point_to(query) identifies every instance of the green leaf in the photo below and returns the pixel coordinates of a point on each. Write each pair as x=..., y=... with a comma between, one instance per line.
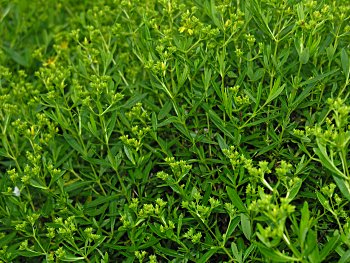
x=258, y=74
x=232, y=226
x=129, y=154
x=301, y=166
x=345, y=62
x=219, y=123
x=276, y=255
x=261, y=17
x=169, y=252
x=262, y=120
x=150, y=243
x=294, y=190
x=183, y=129
x=72, y=258
x=326, y=161
x=73, y=143
x=155, y=229
x=304, y=223
x=2, y=152
x=303, y=95
x=246, y=226
x=329, y=247
x=171, y=119
x=112, y=213
x=330, y=50
x=304, y=56
x=105, y=258
x=267, y=148
x=48, y=206
x=214, y=14
x=237, y=254
x=36, y=184
x=7, y=238
x=221, y=141
x=5, y=12
x=206, y=78
x=92, y=126
x=164, y=111
x=100, y=200
x=345, y=257
x=324, y=202
x=236, y=200
x=133, y=100
x=258, y=96
x=29, y=253
x=116, y=247
x=311, y=250
x=275, y=91
x=179, y=224
x=343, y=186
x=96, y=211
x=207, y=255
x=248, y=251
x=161, y=86
x=111, y=124
x=182, y=73
x=69, y=187
x=20, y=58
x=55, y=177
x=154, y=121
x=340, y=179
x=318, y=78
x=97, y=243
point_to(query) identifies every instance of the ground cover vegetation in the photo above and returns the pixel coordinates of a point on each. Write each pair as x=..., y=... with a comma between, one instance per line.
x=174, y=131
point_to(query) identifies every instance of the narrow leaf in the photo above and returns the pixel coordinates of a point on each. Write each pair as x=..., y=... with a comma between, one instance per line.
x=236, y=200
x=207, y=255
x=7, y=239
x=294, y=190
x=248, y=251
x=164, y=111
x=276, y=255
x=331, y=245
x=100, y=200
x=276, y=90
x=219, y=123
x=318, y=78
x=237, y=254
x=304, y=56
x=246, y=226
x=345, y=257
x=129, y=154
x=73, y=143
x=323, y=201
x=72, y=258
x=222, y=143
x=232, y=226
x=133, y=100
x=340, y=179
x=36, y=184
x=345, y=62
x=326, y=161
x=304, y=223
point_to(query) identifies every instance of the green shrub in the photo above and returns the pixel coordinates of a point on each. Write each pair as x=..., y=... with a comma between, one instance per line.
x=174, y=131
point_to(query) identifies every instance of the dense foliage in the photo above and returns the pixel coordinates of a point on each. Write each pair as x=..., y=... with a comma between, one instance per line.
x=174, y=131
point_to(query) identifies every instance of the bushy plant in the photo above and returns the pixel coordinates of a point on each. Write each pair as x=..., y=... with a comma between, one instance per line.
x=174, y=131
